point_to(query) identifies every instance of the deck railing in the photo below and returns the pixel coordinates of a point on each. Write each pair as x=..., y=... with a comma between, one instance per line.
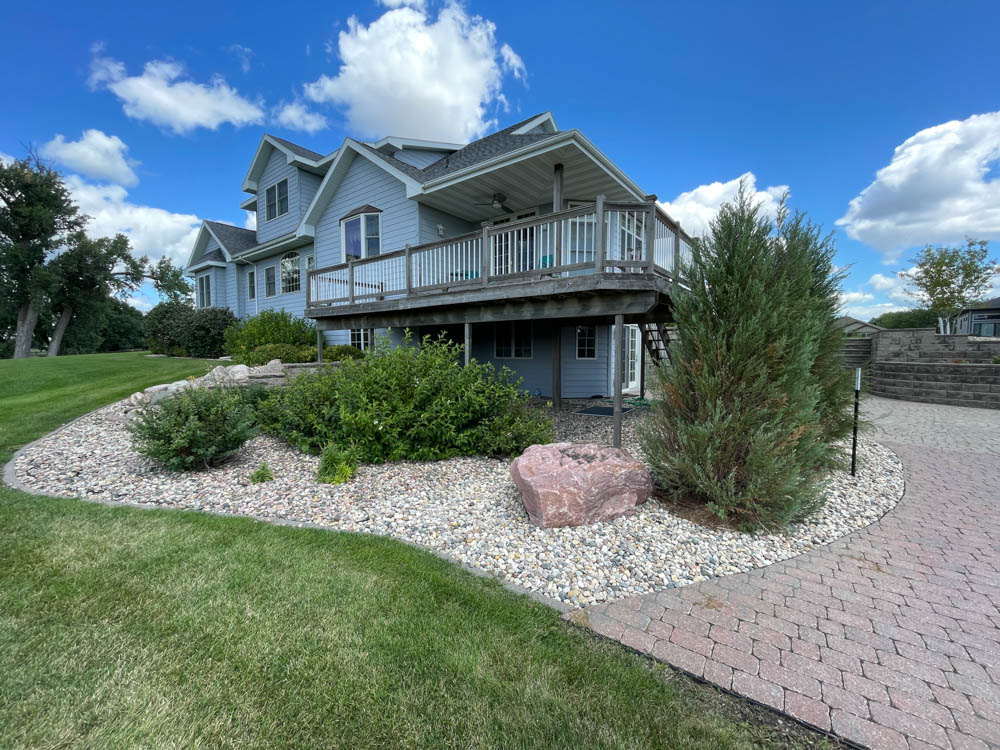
x=628, y=238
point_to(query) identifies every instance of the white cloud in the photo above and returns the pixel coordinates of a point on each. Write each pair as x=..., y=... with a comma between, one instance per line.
x=250, y=222
x=6, y=158
x=893, y=287
x=405, y=74
x=96, y=154
x=418, y=4
x=696, y=208
x=867, y=312
x=140, y=303
x=159, y=95
x=297, y=116
x=152, y=231
x=853, y=298
x=936, y=190
x=243, y=54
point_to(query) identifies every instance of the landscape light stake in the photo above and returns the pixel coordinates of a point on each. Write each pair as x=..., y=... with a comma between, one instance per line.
x=857, y=402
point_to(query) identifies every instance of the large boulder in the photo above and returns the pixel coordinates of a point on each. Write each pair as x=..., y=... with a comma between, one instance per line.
x=572, y=484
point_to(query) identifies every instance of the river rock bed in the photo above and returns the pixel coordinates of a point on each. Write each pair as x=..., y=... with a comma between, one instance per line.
x=467, y=508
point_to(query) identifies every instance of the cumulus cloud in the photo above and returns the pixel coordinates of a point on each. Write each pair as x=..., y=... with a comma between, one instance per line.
x=696, y=208
x=418, y=4
x=853, y=298
x=96, y=155
x=297, y=116
x=6, y=158
x=937, y=189
x=152, y=231
x=408, y=74
x=162, y=94
x=250, y=222
x=142, y=304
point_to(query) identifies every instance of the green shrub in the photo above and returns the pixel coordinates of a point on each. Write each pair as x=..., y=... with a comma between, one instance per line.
x=262, y=474
x=179, y=351
x=336, y=465
x=269, y=327
x=996, y=360
x=340, y=352
x=205, y=331
x=194, y=429
x=285, y=352
x=164, y=326
x=7, y=348
x=406, y=403
x=743, y=420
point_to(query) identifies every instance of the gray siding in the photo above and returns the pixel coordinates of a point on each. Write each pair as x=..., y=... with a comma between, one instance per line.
x=364, y=183
x=453, y=226
x=308, y=185
x=276, y=170
x=580, y=378
x=418, y=157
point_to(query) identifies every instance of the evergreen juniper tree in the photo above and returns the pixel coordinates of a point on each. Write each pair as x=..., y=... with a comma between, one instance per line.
x=742, y=420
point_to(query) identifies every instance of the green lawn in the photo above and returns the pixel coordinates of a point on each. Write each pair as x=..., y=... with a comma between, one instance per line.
x=124, y=628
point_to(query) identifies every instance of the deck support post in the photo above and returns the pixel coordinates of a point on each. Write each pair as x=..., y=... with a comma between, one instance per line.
x=619, y=367
x=468, y=343
x=643, y=339
x=319, y=346
x=371, y=339
x=557, y=367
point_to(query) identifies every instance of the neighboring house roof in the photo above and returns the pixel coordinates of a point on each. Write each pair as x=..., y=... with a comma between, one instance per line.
x=848, y=323
x=988, y=304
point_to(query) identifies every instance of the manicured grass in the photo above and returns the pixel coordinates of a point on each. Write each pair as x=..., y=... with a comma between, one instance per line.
x=130, y=628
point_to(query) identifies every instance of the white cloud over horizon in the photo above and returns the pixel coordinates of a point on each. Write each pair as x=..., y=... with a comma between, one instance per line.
x=297, y=116
x=936, y=190
x=408, y=74
x=152, y=231
x=96, y=155
x=162, y=95
x=696, y=208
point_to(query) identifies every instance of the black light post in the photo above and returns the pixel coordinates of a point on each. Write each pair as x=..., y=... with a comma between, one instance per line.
x=857, y=403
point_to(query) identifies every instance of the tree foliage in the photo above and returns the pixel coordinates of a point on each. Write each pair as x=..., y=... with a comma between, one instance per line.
x=746, y=417
x=918, y=317
x=948, y=279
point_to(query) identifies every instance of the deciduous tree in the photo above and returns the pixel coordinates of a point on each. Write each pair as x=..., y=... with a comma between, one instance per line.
x=947, y=279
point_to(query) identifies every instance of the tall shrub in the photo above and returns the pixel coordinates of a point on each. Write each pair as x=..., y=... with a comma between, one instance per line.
x=204, y=334
x=406, y=402
x=164, y=326
x=739, y=421
x=268, y=327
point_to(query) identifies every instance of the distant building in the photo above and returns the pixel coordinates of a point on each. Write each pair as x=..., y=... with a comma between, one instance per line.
x=982, y=319
x=857, y=329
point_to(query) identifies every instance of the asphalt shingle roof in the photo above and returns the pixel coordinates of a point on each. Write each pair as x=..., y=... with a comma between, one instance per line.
x=234, y=239
x=300, y=150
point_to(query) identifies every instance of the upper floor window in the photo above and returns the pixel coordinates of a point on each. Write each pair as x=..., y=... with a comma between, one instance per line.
x=205, y=291
x=276, y=200
x=361, y=232
x=251, y=285
x=291, y=277
x=512, y=340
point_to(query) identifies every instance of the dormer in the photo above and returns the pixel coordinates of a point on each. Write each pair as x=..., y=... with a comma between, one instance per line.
x=282, y=180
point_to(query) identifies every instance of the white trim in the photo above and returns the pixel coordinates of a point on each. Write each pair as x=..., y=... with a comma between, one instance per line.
x=261, y=155
x=197, y=243
x=249, y=204
x=416, y=144
x=202, y=266
x=364, y=237
x=535, y=122
x=281, y=270
x=277, y=281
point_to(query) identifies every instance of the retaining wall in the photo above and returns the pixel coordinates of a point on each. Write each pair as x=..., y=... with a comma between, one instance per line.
x=975, y=385
x=924, y=345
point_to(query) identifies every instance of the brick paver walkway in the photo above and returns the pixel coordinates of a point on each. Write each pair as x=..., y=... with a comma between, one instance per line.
x=889, y=637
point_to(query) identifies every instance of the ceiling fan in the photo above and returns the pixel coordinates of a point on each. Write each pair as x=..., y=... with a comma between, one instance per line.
x=499, y=202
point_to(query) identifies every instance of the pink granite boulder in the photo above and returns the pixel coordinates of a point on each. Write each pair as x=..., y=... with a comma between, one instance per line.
x=572, y=484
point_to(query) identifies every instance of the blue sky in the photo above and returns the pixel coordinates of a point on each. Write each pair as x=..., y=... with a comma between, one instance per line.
x=884, y=117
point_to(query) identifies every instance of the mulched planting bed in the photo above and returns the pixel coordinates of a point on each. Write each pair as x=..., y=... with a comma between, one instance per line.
x=467, y=508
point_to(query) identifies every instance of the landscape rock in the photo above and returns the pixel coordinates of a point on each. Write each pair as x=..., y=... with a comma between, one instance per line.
x=572, y=484
x=238, y=373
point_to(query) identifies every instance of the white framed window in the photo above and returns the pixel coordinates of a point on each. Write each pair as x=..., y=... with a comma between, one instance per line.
x=310, y=263
x=361, y=339
x=291, y=273
x=361, y=235
x=251, y=284
x=271, y=281
x=512, y=340
x=276, y=200
x=205, y=291
x=586, y=342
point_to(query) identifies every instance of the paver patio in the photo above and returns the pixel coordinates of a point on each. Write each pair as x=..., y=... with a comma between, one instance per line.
x=889, y=637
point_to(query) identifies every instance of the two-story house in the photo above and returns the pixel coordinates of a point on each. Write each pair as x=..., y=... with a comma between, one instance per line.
x=529, y=245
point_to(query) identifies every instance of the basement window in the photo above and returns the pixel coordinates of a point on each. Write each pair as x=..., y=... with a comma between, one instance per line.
x=512, y=340
x=586, y=342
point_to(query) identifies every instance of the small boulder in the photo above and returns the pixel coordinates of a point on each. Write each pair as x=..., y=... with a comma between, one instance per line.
x=572, y=484
x=238, y=373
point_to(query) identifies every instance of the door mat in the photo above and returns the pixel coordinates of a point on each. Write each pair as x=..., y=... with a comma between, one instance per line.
x=602, y=411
